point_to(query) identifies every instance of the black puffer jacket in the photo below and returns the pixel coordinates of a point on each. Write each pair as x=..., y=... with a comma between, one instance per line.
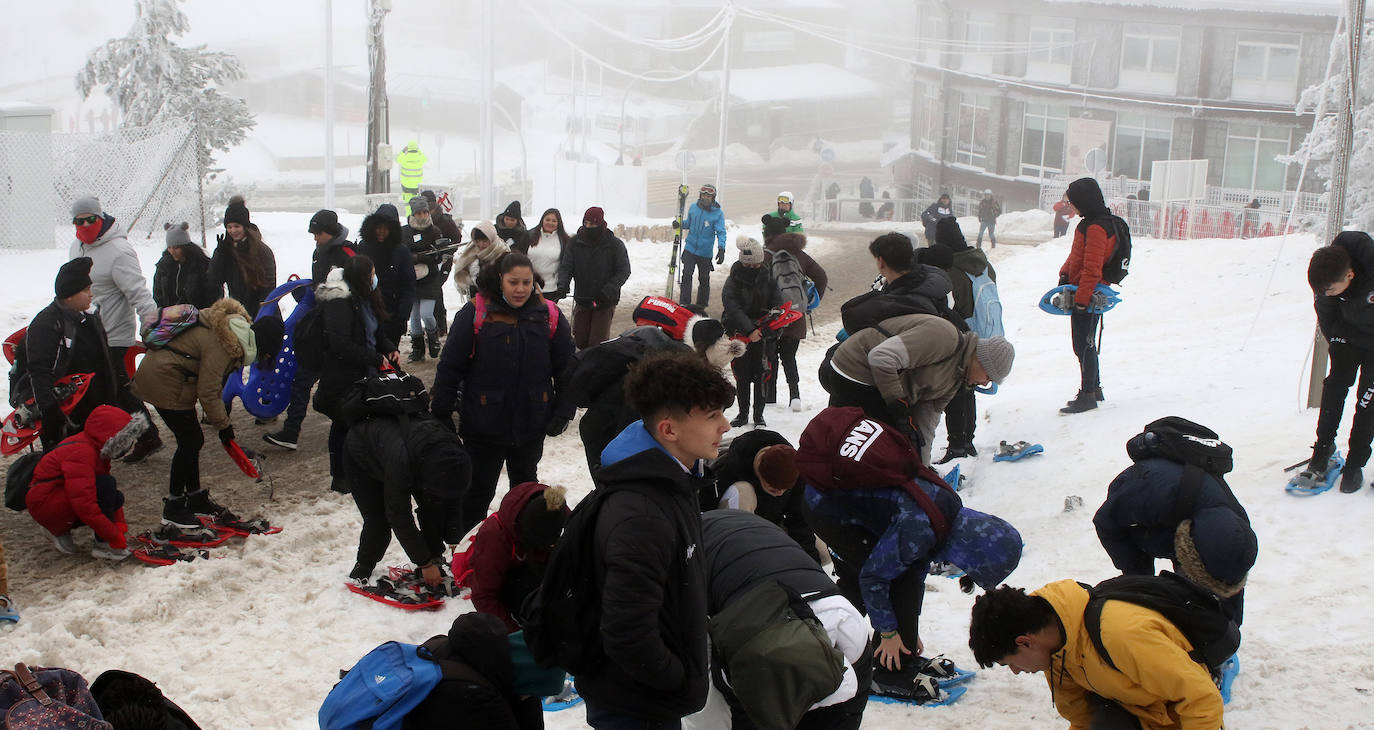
x=476, y=692
x=748, y=294
x=58, y=343
x=1349, y=316
x=421, y=243
x=742, y=549
x=737, y=465
x=347, y=356
x=596, y=265
x=395, y=268
x=186, y=281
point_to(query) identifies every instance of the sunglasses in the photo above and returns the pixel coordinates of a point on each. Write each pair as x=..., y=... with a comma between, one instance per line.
x=85, y=220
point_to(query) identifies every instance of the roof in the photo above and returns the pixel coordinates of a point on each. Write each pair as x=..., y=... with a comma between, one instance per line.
x=800, y=82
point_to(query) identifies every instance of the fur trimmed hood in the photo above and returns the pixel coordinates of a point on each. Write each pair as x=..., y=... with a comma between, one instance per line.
x=217, y=317
x=707, y=337
x=334, y=287
x=1215, y=549
x=122, y=441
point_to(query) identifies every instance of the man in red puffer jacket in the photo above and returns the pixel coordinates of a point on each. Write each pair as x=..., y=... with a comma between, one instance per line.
x=72, y=485
x=1093, y=244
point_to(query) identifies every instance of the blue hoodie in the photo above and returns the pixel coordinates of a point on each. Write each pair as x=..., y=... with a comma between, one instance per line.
x=701, y=225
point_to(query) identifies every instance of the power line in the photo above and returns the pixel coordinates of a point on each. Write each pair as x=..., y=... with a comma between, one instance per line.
x=691, y=41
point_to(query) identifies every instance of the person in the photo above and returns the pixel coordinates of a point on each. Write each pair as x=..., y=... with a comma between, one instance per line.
x=1093, y=245
x=453, y=231
x=412, y=162
x=1342, y=279
x=545, y=246
x=965, y=262
x=510, y=226
x=332, y=251
x=792, y=335
x=242, y=263
x=886, y=211
x=988, y=210
x=907, y=370
x=758, y=474
x=594, y=269
x=742, y=551
x=72, y=485
x=832, y=191
x=390, y=463
x=63, y=339
x=705, y=230
x=504, y=375
x=421, y=236
x=749, y=294
x=121, y=294
x=191, y=370
x=1249, y=226
x=479, y=689
x=905, y=286
x=485, y=249
x=1063, y=212
x=646, y=547
x=785, y=212
x=941, y=208
x=9, y=611
x=380, y=240
x=876, y=511
x=511, y=549
x=182, y=274
x=355, y=345
x=1156, y=685
x=866, y=197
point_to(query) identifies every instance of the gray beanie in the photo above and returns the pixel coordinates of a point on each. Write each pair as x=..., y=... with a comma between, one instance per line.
x=995, y=354
x=750, y=250
x=419, y=204
x=85, y=205
x=177, y=235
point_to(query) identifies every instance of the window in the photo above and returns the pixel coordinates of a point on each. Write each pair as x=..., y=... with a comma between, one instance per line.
x=975, y=116
x=1042, y=140
x=1266, y=67
x=933, y=36
x=1050, y=57
x=1250, y=153
x=1149, y=58
x=932, y=120
x=1140, y=140
x=980, y=42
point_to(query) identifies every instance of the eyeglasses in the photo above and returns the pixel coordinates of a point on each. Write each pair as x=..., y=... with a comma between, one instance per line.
x=85, y=220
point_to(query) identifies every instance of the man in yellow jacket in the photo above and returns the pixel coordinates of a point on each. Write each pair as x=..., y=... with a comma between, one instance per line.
x=1157, y=686
x=412, y=162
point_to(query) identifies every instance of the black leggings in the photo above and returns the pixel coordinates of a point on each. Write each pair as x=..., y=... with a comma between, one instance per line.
x=1083, y=328
x=786, y=354
x=522, y=465
x=185, y=428
x=961, y=418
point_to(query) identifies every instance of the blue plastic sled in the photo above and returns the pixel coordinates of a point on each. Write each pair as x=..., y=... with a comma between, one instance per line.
x=1111, y=296
x=952, y=695
x=1017, y=455
x=1298, y=486
x=1229, y=669
x=267, y=393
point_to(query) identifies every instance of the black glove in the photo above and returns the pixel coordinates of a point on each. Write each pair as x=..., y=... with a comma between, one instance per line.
x=226, y=435
x=219, y=240
x=557, y=425
x=1063, y=279
x=899, y=415
x=676, y=224
x=720, y=256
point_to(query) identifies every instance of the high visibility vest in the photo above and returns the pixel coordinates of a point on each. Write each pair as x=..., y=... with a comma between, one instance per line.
x=412, y=164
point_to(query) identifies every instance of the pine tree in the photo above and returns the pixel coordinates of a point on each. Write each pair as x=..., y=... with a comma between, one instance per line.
x=152, y=78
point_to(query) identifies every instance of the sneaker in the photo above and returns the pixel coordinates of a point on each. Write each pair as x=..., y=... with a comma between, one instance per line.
x=64, y=543
x=9, y=613
x=200, y=504
x=796, y=405
x=143, y=449
x=740, y=420
x=106, y=552
x=1080, y=404
x=758, y=420
x=176, y=513
x=281, y=438
x=1352, y=478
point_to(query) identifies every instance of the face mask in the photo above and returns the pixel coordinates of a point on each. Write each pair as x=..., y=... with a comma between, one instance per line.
x=88, y=232
x=374, y=282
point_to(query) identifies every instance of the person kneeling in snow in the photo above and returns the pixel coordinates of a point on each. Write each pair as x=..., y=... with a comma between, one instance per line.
x=481, y=685
x=512, y=547
x=72, y=485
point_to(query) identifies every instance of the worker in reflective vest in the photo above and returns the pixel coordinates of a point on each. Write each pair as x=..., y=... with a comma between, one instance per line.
x=412, y=162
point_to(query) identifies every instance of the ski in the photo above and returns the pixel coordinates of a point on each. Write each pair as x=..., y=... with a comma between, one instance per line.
x=682, y=191
x=1017, y=451
x=1308, y=483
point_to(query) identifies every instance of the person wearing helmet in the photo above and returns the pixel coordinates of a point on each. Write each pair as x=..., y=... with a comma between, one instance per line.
x=412, y=163
x=786, y=213
x=704, y=230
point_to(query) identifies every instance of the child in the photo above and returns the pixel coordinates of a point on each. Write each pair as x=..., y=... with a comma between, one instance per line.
x=511, y=549
x=749, y=294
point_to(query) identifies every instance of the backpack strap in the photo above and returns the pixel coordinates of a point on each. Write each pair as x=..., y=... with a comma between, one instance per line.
x=1092, y=621
x=553, y=318
x=31, y=685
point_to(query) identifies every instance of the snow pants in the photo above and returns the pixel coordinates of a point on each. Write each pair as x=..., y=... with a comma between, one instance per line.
x=702, y=267
x=185, y=428
x=1083, y=328
x=1346, y=362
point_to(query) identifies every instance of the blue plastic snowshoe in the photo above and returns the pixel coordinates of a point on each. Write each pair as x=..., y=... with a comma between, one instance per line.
x=1229, y=669
x=954, y=479
x=1059, y=300
x=565, y=699
x=267, y=392
x=1308, y=483
x=1017, y=451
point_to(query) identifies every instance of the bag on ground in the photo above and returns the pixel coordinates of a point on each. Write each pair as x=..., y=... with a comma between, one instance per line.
x=48, y=699
x=381, y=689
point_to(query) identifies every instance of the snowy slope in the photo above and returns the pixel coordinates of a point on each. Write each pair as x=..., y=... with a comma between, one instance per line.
x=255, y=640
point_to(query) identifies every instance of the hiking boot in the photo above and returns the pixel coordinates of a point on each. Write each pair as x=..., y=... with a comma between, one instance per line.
x=417, y=349
x=176, y=513
x=283, y=438
x=1080, y=404
x=1321, y=457
x=145, y=447
x=432, y=338
x=1079, y=394
x=758, y=420
x=361, y=573
x=957, y=451
x=200, y=504
x=1352, y=478
x=739, y=420
x=64, y=543
x=104, y=551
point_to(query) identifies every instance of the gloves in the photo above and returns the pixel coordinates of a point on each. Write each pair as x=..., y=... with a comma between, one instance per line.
x=557, y=425
x=676, y=224
x=1063, y=279
x=720, y=256
x=219, y=240
x=899, y=415
x=226, y=435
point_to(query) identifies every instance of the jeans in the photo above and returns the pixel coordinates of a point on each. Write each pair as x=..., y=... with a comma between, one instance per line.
x=422, y=318
x=991, y=228
x=1346, y=362
x=702, y=266
x=185, y=428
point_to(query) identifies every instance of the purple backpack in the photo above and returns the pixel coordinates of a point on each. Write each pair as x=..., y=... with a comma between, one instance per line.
x=48, y=699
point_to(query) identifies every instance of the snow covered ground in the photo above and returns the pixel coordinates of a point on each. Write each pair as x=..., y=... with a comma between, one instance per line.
x=1217, y=331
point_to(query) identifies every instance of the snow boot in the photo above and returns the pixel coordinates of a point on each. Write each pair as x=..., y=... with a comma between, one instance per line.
x=1084, y=402
x=176, y=513
x=104, y=551
x=1079, y=394
x=1352, y=478
x=957, y=451
x=64, y=543
x=200, y=504
x=1321, y=456
x=432, y=337
x=417, y=349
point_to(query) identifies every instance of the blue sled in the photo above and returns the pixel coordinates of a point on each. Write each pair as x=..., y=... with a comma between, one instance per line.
x=1104, y=299
x=1018, y=454
x=267, y=393
x=1308, y=485
x=950, y=696
x=1229, y=669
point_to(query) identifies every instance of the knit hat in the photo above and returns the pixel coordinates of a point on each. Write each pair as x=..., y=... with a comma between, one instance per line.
x=513, y=210
x=1216, y=549
x=995, y=354
x=985, y=547
x=595, y=216
x=948, y=233
x=419, y=204
x=750, y=250
x=85, y=205
x=73, y=277
x=325, y=221
x=237, y=212
x=541, y=520
x=177, y=235
x=776, y=466
x=268, y=332
x=429, y=196
x=705, y=332
x=937, y=255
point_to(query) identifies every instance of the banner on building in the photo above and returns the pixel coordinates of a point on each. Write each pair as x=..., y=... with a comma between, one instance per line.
x=1087, y=142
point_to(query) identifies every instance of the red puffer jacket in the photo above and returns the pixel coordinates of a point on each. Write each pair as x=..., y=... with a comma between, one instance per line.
x=62, y=494
x=496, y=550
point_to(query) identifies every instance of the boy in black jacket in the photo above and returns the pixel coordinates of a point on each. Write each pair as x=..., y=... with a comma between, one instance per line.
x=646, y=544
x=749, y=294
x=757, y=475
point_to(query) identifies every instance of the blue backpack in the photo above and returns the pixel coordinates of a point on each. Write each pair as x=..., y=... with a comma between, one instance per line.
x=987, y=307
x=381, y=689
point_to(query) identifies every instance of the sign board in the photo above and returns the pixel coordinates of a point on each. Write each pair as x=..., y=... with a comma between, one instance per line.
x=1082, y=138
x=1178, y=180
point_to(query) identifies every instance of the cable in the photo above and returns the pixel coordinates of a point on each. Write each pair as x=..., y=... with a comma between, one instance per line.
x=691, y=41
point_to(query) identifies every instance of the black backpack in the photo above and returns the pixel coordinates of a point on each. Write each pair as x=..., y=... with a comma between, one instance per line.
x=1115, y=268
x=390, y=393
x=1195, y=446
x=1193, y=610
x=20, y=477
x=307, y=339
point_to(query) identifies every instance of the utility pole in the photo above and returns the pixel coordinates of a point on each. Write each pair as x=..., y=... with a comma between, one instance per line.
x=378, y=174
x=725, y=97
x=329, y=104
x=484, y=108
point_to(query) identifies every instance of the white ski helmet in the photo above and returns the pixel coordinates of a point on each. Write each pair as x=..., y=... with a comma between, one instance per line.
x=784, y=197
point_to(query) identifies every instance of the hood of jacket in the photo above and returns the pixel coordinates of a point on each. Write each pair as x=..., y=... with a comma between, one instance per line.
x=793, y=243
x=1086, y=196
x=511, y=505
x=987, y=548
x=971, y=261
x=367, y=234
x=229, y=321
x=338, y=240
x=334, y=287
x=112, y=431
x=479, y=641
x=950, y=235
x=927, y=281
x=634, y=439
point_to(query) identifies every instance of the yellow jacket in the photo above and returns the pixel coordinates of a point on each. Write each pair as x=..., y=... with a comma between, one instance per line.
x=412, y=162
x=1155, y=680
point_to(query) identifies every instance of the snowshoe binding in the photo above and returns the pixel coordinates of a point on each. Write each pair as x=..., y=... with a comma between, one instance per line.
x=160, y=555
x=1017, y=451
x=924, y=690
x=944, y=671
x=197, y=537
x=231, y=526
x=1314, y=480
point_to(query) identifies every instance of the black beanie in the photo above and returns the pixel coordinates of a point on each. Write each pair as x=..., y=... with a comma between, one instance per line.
x=73, y=277
x=541, y=520
x=513, y=210
x=937, y=255
x=774, y=225
x=325, y=221
x=268, y=333
x=237, y=212
x=949, y=234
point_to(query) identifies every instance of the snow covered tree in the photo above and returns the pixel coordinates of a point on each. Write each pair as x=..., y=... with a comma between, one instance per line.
x=152, y=78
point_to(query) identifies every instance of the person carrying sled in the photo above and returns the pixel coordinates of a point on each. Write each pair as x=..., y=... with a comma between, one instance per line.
x=421, y=236
x=380, y=239
x=594, y=269
x=749, y=294
x=886, y=517
x=791, y=267
x=785, y=213
x=1094, y=240
x=392, y=463
x=511, y=549
x=758, y=474
x=705, y=230
x=941, y=208
x=1342, y=279
x=72, y=485
x=965, y=262
x=182, y=275
x=1155, y=684
x=480, y=688
x=242, y=263
x=191, y=370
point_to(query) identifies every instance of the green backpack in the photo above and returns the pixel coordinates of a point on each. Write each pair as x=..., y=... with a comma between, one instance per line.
x=775, y=650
